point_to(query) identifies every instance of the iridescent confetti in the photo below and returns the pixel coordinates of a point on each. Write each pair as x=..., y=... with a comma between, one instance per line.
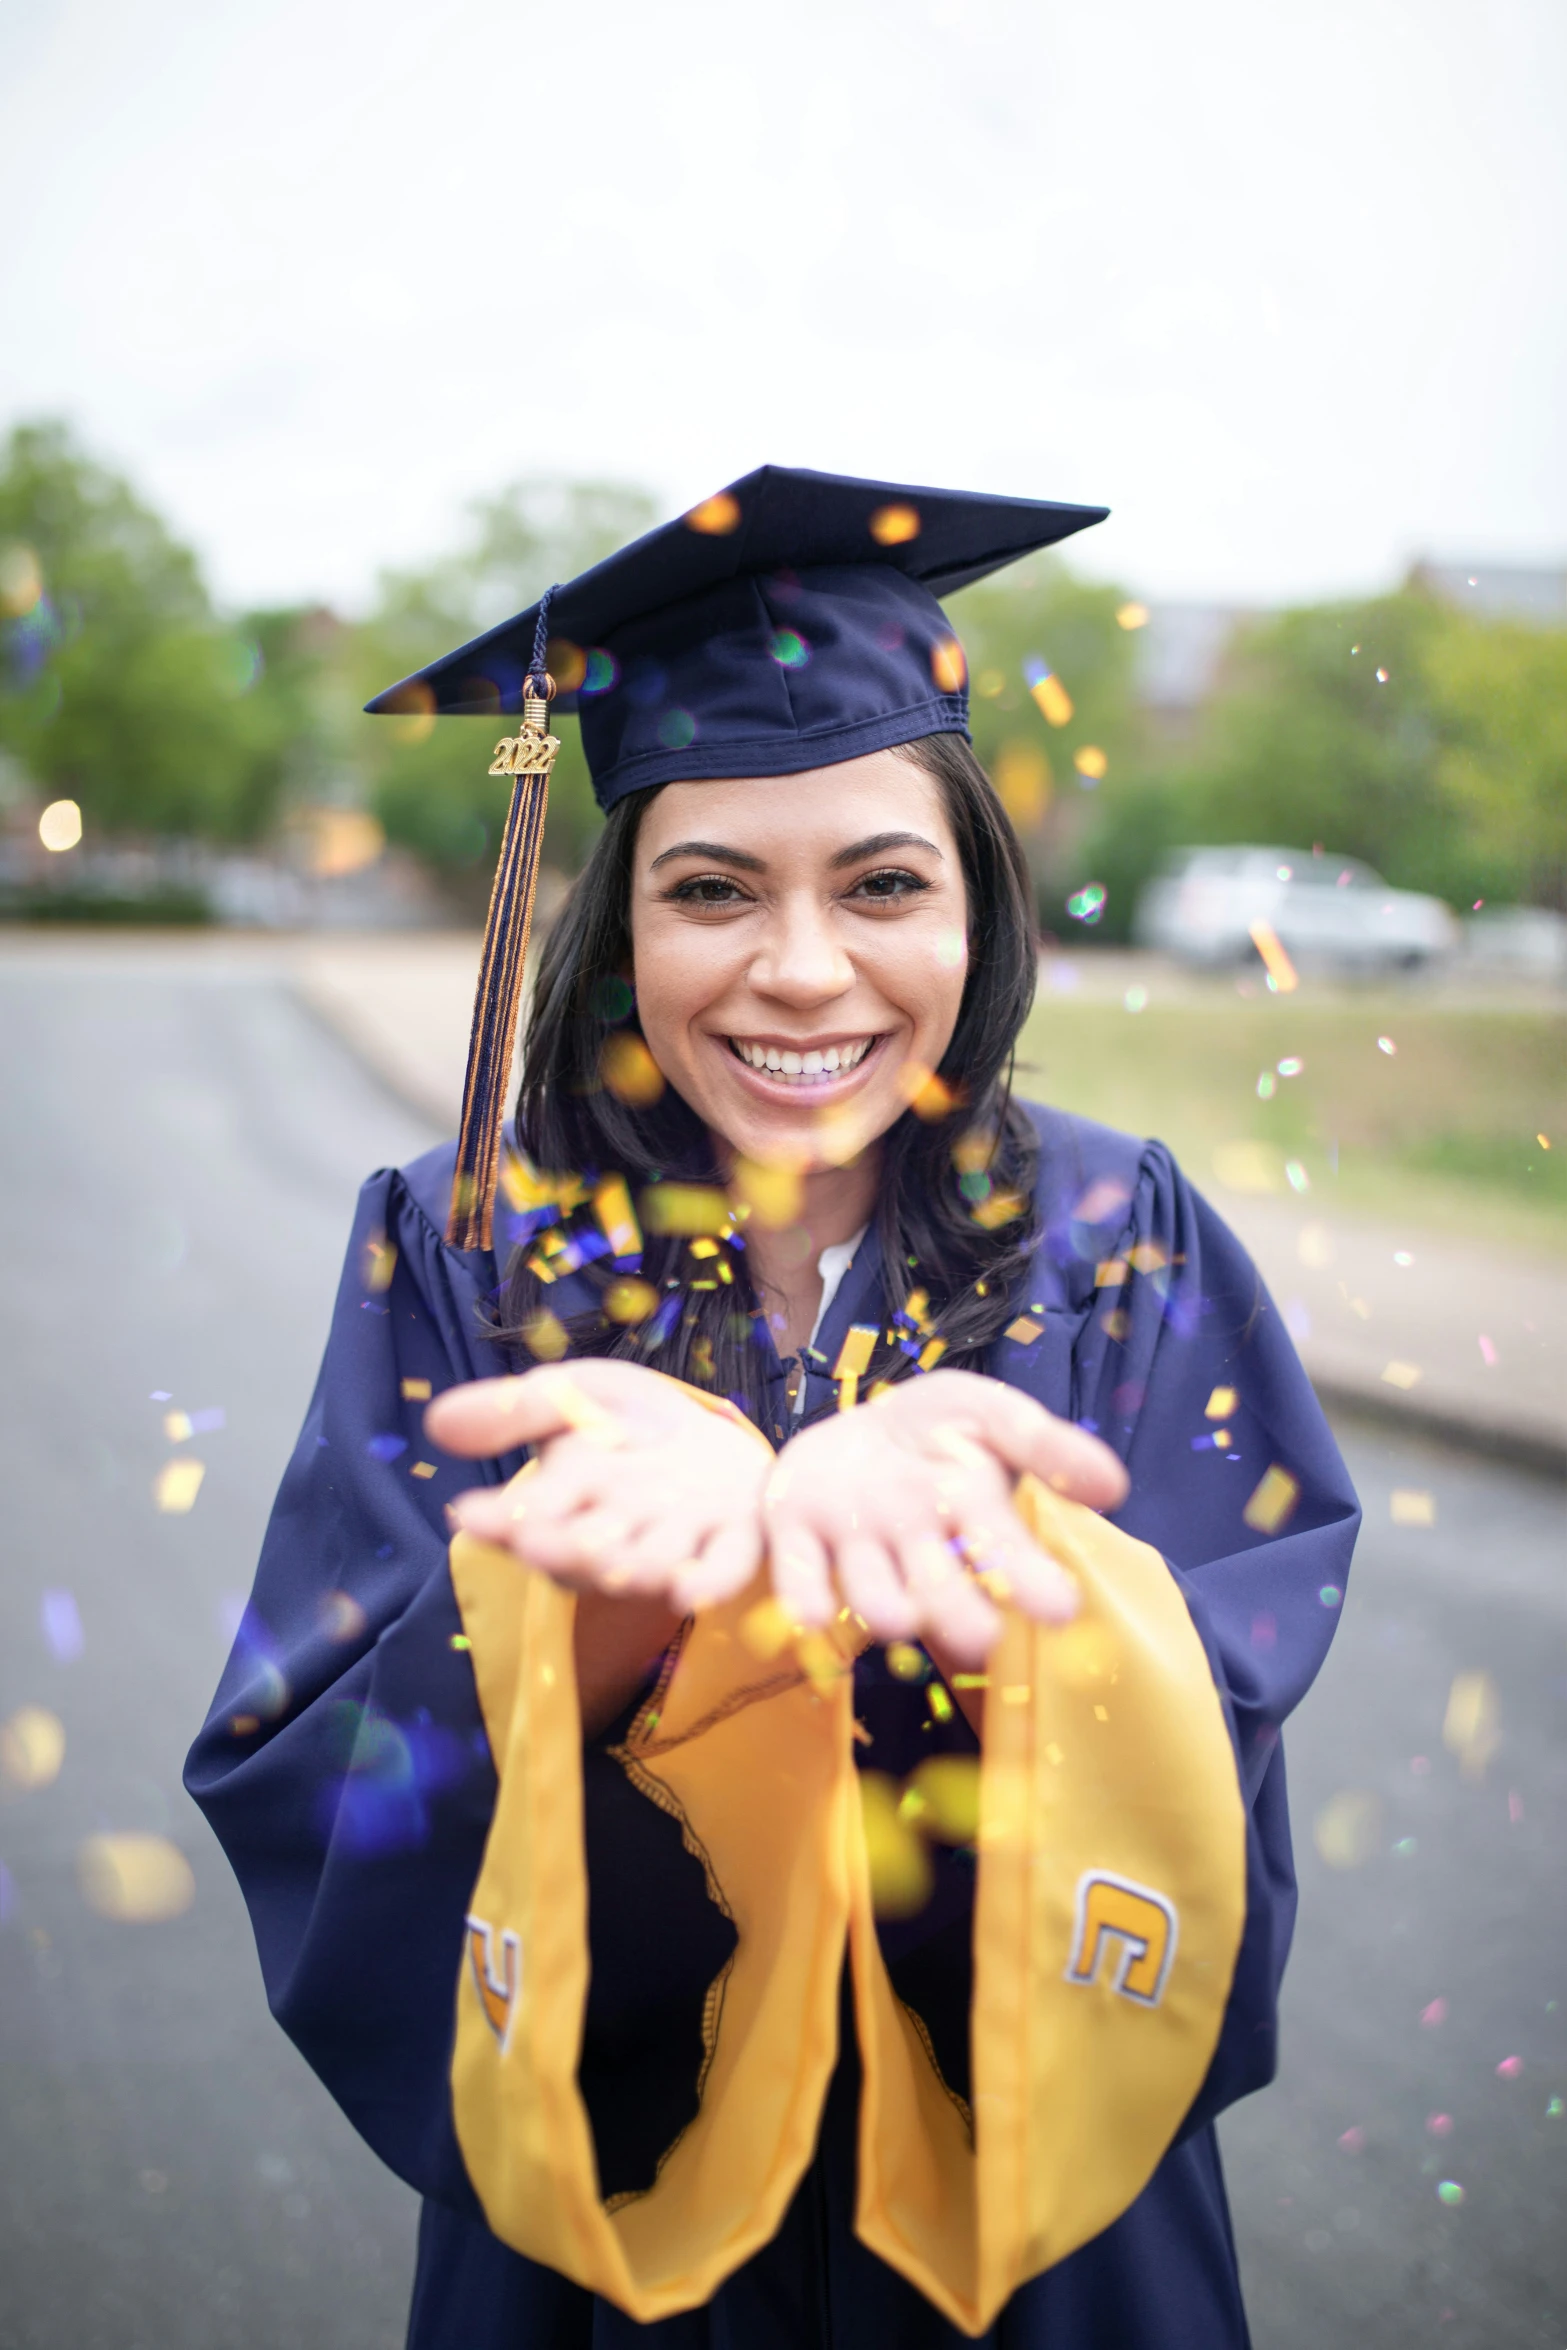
x=61, y=1623
x=1281, y=971
x=1509, y=2068
x=1050, y=695
x=1439, y=2125
x=1435, y=2014
x=1449, y=2192
x=1386, y=1045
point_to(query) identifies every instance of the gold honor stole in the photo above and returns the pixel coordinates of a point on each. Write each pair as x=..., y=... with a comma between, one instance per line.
x=1110, y=1899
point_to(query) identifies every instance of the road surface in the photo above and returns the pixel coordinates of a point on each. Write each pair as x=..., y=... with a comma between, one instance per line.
x=180, y=1151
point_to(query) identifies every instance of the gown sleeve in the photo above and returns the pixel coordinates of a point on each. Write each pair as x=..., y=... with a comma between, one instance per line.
x=1185, y=1367
x=345, y=1767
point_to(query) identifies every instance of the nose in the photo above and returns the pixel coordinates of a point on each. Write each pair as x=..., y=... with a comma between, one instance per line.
x=800, y=962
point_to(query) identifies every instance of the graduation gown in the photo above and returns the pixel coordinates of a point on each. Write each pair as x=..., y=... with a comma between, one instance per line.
x=620, y=2011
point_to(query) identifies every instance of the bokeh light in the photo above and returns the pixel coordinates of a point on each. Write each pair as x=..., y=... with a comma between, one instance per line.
x=60, y=826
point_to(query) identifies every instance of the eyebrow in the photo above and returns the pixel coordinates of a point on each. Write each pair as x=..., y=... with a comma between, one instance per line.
x=876, y=846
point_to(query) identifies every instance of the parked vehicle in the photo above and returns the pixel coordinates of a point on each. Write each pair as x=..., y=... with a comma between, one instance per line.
x=1324, y=909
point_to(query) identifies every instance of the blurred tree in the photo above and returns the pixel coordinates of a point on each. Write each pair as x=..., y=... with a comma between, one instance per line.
x=429, y=779
x=1499, y=689
x=118, y=686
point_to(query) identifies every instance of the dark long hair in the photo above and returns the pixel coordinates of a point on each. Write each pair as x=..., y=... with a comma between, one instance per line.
x=955, y=1201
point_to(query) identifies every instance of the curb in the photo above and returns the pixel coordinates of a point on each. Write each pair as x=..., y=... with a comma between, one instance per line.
x=1534, y=1449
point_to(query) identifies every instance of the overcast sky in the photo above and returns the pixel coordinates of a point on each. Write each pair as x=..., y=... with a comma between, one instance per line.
x=1282, y=284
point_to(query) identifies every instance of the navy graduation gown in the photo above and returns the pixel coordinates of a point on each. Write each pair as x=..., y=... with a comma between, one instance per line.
x=345, y=1767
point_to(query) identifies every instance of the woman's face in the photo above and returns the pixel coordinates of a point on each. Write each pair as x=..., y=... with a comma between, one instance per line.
x=800, y=946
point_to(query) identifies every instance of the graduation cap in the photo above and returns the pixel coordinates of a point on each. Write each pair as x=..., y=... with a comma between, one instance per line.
x=787, y=622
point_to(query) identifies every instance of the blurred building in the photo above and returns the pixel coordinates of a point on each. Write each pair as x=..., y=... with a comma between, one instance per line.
x=1498, y=591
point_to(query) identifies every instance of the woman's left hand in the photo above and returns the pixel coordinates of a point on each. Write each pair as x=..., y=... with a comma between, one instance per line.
x=906, y=1504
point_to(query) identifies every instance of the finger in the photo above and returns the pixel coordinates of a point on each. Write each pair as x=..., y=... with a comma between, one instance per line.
x=1014, y=1570
x=800, y=1573
x=870, y=1582
x=955, y=1612
x=663, y=1545
x=592, y=1397
x=1027, y=1438
x=725, y=1563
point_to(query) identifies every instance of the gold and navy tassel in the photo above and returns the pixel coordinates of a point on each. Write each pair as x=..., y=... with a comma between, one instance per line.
x=528, y=755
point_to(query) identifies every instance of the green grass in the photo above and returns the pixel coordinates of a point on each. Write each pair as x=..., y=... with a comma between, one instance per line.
x=1442, y=1133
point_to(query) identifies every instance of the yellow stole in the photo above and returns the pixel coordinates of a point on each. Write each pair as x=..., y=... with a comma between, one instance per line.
x=1110, y=1900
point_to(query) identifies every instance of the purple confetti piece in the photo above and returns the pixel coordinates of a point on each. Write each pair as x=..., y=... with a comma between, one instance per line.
x=62, y=1625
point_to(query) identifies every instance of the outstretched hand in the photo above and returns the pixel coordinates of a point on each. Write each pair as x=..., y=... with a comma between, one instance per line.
x=905, y=1504
x=637, y=1488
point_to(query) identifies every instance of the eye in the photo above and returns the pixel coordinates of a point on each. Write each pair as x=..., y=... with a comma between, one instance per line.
x=888, y=884
x=706, y=889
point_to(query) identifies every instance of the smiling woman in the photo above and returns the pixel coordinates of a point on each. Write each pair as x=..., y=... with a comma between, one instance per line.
x=766, y=1870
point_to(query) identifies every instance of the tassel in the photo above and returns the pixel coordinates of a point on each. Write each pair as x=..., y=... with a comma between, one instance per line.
x=528, y=755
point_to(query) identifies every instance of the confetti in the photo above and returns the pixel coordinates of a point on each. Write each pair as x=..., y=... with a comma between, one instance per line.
x=1221, y=1403
x=901, y=1875
x=1404, y=1375
x=1509, y=2068
x=927, y=1095
x=61, y=1624
x=894, y=526
x=629, y=1071
x=940, y=1702
x=422, y=1469
x=1091, y=763
x=176, y=1486
x=1353, y=2139
x=907, y=1663
x=629, y=1301
x=1088, y=903
x=948, y=668
x=1050, y=695
x=768, y=1629
x=683, y=1208
x=380, y=1263
x=1386, y=1045
x=1348, y=1829
x=1435, y=2014
x=1449, y=2192
x=1412, y=1507
x=1132, y=616
x=1470, y=1726
x=1136, y=999
x=1487, y=1352
x=931, y=1354
x=32, y=1748
x=715, y=517
x=1439, y=2125
x=1291, y=1067
x=1272, y=1503
x=1281, y=971
x=946, y=1790
x=616, y=1217
x=1296, y=1176
x=1023, y=1332
x=545, y=1337
x=342, y=1617
x=1267, y=1086
x=416, y=1390
x=1514, y=1807
x=135, y=1880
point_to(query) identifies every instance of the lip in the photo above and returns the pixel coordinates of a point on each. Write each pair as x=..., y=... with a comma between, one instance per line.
x=767, y=1086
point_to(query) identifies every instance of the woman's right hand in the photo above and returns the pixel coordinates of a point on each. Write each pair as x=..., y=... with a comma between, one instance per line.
x=637, y=1489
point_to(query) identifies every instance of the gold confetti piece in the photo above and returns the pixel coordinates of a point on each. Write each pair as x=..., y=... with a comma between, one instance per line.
x=894, y=526
x=1405, y=1375
x=940, y=1702
x=342, y=1617
x=1411, y=1507
x=773, y=1193
x=767, y=1629
x=616, y=1216
x=901, y=1874
x=176, y=1486
x=904, y=1661
x=854, y=1356
x=971, y=1680
x=380, y=1263
x=416, y=1391
x=1054, y=1755
x=135, y=1880
x=1348, y=1829
x=1016, y=1693
x=704, y=1248
x=684, y=1208
x=1471, y=1726
x=422, y=1469
x=1272, y=1505
x=630, y=1072
x=931, y=1354
x=926, y=1094
x=1147, y=1257
x=545, y=1337
x=629, y=1301
x=1110, y=1274
x=1091, y=761
x=1132, y=616
x=176, y=1427
x=948, y=667
x=1220, y=1404
x=1270, y=947
x=1024, y=1331
x=848, y=1391
x=1116, y=1323
x=1221, y=1439
x=459, y=1640
x=1101, y=1713
x=1052, y=698
x=32, y=1748
x=1247, y=1166
x=716, y=516
x=1002, y=1207
x=946, y=1789
x=1083, y=1652
x=916, y=1308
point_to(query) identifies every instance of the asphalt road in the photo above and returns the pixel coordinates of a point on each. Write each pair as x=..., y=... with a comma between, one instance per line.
x=180, y=1151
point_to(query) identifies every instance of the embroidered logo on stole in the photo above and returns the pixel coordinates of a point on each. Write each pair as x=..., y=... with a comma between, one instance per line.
x=1132, y=1926
x=497, y=1989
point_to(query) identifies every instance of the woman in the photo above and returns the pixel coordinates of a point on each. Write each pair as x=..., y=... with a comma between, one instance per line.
x=563, y=1844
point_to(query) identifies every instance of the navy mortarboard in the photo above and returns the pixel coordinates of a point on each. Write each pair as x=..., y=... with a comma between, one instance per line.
x=787, y=622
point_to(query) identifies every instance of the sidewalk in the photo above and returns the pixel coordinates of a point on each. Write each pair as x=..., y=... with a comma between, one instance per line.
x=1466, y=1341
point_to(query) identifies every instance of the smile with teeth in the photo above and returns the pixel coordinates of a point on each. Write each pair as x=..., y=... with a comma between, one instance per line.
x=814, y=1067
